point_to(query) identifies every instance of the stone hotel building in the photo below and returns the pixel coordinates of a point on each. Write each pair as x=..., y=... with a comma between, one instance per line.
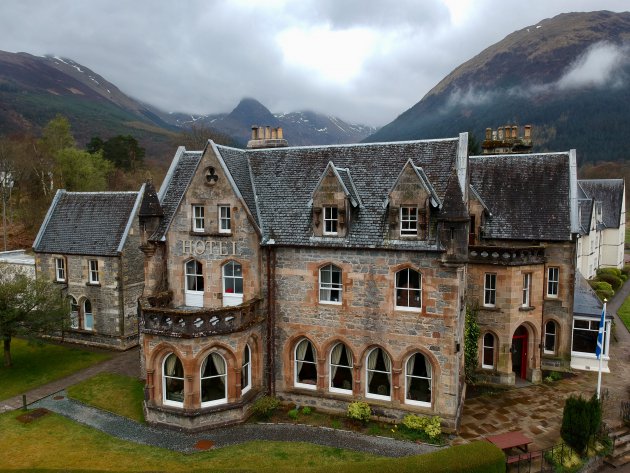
x=329, y=274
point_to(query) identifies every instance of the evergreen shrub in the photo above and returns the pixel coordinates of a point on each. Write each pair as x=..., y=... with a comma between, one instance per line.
x=359, y=410
x=614, y=281
x=581, y=420
x=264, y=406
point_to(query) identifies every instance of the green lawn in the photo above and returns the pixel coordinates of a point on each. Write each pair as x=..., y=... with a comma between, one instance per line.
x=624, y=312
x=54, y=443
x=122, y=395
x=38, y=364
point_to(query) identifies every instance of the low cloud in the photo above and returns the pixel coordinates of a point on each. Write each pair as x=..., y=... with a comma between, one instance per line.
x=602, y=64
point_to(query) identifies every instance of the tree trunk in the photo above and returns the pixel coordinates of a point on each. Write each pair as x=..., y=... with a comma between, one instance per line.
x=7, y=351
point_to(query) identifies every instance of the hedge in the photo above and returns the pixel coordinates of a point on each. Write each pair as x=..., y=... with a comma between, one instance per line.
x=476, y=457
x=614, y=281
x=613, y=271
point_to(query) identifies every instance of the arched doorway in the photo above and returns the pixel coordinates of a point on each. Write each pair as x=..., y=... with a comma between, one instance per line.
x=519, y=352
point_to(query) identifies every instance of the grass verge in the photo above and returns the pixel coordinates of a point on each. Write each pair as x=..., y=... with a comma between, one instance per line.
x=122, y=395
x=40, y=363
x=56, y=443
x=624, y=312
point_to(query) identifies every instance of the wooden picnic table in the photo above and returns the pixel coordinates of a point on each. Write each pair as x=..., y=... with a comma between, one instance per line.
x=509, y=440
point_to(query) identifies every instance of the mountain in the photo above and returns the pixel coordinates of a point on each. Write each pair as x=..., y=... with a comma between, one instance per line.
x=568, y=76
x=34, y=89
x=300, y=128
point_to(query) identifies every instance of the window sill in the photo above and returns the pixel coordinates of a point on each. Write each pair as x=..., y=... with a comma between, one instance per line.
x=410, y=402
x=61, y=281
x=526, y=308
x=310, y=387
x=418, y=310
x=345, y=392
x=486, y=367
x=330, y=302
x=378, y=397
x=95, y=284
x=211, y=234
x=551, y=298
x=490, y=308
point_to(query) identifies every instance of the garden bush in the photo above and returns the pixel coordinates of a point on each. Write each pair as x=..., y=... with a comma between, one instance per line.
x=581, y=420
x=432, y=426
x=293, y=413
x=307, y=410
x=626, y=270
x=614, y=281
x=264, y=406
x=359, y=410
x=613, y=271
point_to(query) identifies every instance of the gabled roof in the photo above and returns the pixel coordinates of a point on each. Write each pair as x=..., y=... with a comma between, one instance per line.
x=424, y=182
x=345, y=181
x=282, y=181
x=88, y=223
x=586, y=211
x=174, y=187
x=528, y=196
x=476, y=195
x=454, y=207
x=610, y=193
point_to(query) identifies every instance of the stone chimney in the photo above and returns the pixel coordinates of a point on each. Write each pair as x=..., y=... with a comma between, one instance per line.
x=266, y=137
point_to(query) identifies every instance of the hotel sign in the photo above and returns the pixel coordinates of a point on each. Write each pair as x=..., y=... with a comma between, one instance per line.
x=208, y=247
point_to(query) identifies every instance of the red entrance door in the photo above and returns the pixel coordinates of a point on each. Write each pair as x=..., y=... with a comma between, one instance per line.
x=519, y=352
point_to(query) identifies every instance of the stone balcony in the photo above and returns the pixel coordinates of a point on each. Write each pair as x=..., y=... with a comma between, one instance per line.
x=506, y=256
x=199, y=322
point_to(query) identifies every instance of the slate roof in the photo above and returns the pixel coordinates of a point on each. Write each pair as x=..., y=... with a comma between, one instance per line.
x=87, y=223
x=282, y=181
x=586, y=211
x=346, y=178
x=175, y=184
x=610, y=193
x=527, y=195
x=585, y=301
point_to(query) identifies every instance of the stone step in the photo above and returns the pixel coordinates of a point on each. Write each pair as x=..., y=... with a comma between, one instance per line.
x=620, y=432
x=619, y=462
x=621, y=449
x=622, y=439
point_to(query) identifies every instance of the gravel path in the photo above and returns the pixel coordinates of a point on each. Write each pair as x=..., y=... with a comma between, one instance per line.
x=127, y=429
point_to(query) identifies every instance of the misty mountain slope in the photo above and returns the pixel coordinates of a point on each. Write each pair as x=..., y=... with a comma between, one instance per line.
x=568, y=76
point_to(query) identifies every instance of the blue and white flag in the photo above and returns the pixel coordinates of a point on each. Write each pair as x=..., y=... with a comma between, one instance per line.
x=600, y=335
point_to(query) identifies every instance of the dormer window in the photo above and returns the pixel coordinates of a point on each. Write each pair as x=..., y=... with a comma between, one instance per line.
x=331, y=220
x=408, y=221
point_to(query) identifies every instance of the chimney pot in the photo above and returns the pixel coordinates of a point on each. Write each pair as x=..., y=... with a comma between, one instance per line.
x=488, y=133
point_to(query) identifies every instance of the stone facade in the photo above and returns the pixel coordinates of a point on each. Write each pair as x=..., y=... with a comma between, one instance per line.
x=104, y=284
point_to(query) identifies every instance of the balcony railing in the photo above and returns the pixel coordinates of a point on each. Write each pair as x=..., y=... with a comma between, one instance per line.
x=200, y=322
x=508, y=256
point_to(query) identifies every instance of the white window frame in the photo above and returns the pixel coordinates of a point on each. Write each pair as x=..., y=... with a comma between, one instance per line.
x=490, y=289
x=93, y=276
x=331, y=221
x=198, y=218
x=527, y=283
x=408, y=221
x=60, y=269
x=247, y=365
x=232, y=298
x=193, y=297
x=296, y=383
x=553, y=281
x=168, y=402
x=225, y=219
x=555, y=338
x=409, y=289
x=331, y=388
x=75, y=314
x=483, y=349
x=368, y=394
x=88, y=316
x=429, y=378
x=593, y=327
x=328, y=287
x=222, y=400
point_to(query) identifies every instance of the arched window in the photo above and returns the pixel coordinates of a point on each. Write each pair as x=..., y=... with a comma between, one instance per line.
x=418, y=380
x=88, y=317
x=194, y=283
x=378, y=375
x=341, y=369
x=213, y=380
x=246, y=371
x=408, y=289
x=487, y=359
x=550, y=337
x=74, y=313
x=173, y=381
x=305, y=365
x=330, y=284
x=232, y=283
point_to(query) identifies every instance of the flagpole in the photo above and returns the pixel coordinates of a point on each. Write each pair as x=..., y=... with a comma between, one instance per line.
x=600, y=349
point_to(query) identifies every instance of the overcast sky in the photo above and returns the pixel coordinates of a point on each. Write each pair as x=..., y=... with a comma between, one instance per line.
x=365, y=61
